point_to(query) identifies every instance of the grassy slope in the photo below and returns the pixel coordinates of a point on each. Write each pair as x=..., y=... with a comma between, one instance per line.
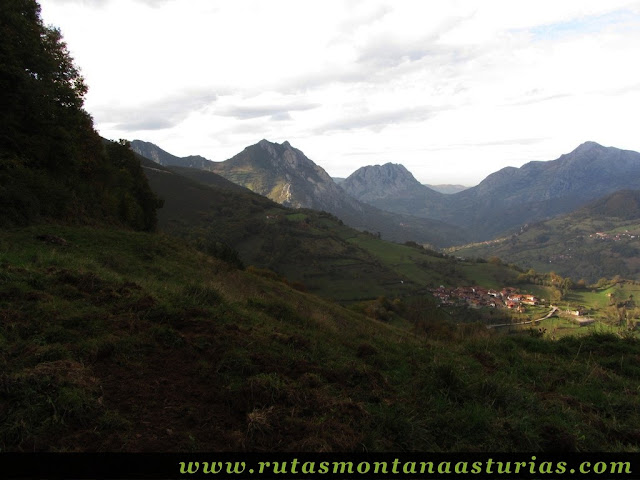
x=304, y=246
x=309, y=247
x=130, y=341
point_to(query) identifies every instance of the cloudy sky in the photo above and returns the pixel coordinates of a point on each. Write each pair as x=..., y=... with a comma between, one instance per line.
x=454, y=90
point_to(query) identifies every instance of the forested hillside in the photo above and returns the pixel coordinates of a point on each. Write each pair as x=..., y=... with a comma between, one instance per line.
x=53, y=164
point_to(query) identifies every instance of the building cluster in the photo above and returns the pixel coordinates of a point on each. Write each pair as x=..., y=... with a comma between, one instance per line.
x=613, y=236
x=478, y=297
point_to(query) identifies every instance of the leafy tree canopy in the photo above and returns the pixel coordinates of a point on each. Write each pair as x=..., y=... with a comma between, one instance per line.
x=52, y=162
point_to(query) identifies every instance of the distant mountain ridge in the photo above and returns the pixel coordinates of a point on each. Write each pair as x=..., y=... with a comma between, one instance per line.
x=392, y=187
x=380, y=182
x=512, y=197
x=285, y=175
x=540, y=190
x=155, y=153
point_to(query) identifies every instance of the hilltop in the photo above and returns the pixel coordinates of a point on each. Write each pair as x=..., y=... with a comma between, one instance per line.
x=391, y=187
x=380, y=183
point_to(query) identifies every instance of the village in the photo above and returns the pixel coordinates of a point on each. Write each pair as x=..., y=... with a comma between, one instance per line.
x=479, y=297
x=613, y=236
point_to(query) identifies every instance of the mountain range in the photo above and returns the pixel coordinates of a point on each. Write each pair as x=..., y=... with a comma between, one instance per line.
x=285, y=175
x=508, y=198
x=523, y=210
x=503, y=202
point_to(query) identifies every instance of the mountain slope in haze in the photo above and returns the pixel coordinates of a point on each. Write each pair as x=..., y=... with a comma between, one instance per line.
x=447, y=188
x=285, y=175
x=155, y=153
x=390, y=187
x=599, y=240
x=512, y=197
x=515, y=196
x=380, y=182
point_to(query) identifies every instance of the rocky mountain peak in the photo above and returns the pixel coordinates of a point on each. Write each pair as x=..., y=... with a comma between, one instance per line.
x=379, y=181
x=389, y=173
x=586, y=146
x=280, y=151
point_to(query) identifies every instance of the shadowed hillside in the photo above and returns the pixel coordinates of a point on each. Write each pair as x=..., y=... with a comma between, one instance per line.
x=313, y=248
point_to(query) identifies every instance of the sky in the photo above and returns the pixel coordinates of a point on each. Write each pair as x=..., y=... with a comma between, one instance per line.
x=452, y=89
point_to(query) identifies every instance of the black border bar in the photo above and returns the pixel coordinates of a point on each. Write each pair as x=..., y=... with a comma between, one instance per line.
x=346, y=466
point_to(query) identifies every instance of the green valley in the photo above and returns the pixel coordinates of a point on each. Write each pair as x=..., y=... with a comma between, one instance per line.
x=162, y=308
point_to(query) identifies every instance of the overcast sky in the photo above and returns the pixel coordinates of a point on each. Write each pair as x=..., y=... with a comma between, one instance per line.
x=453, y=90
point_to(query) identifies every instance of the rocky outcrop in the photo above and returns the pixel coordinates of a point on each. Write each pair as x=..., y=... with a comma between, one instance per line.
x=378, y=182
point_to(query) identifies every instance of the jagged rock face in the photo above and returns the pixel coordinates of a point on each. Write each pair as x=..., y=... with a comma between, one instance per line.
x=285, y=175
x=381, y=181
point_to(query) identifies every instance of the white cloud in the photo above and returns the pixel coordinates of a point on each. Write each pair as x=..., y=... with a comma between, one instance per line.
x=452, y=89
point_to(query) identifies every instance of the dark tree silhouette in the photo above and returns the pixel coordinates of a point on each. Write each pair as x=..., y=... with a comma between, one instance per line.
x=53, y=163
